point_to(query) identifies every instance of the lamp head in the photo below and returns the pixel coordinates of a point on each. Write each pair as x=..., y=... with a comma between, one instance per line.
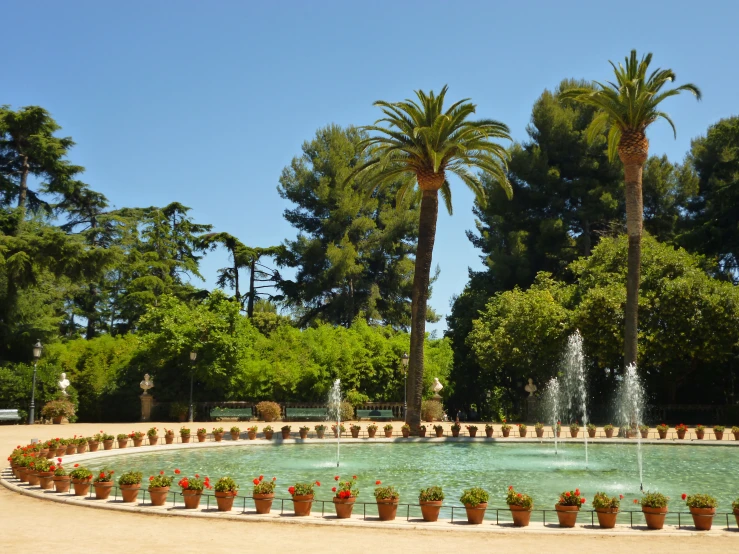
x=37, y=348
x=193, y=356
x=405, y=358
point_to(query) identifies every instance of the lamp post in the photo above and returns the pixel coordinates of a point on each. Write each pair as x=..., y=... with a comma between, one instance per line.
x=37, y=348
x=405, y=386
x=193, y=357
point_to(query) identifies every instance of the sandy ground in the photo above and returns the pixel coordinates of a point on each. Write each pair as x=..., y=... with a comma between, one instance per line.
x=25, y=521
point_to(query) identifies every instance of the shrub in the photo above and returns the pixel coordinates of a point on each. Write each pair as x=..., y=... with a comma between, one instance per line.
x=601, y=501
x=194, y=484
x=267, y=429
x=654, y=500
x=269, y=411
x=643, y=427
x=302, y=489
x=514, y=498
x=591, y=427
x=202, y=431
x=226, y=484
x=431, y=410
x=438, y=427
x=522, y=426
x=385, y=493
x=388, y=427
x=608, y=427
x=735, y=429
x=663, y=427
x=431, y=494
x=235, y=429
x=122, y=436
x=700, y=428
x=346, y=411
x=80, y=473
x=178, y=409
x=372, y=427
x=345, y=489
x=719, y=428
x=574, y=427
x=264, y=487
x=153, y=432
x=285, y=428
x=184, y=432
x=217, y=430
x=700, y=501
x=130, y=478
x=320, y=427
x=161, y=480
x=474, y=496
x=571, y=498
x=105, y=476
x=42, y=465
x=539, y=425
x=58, y=408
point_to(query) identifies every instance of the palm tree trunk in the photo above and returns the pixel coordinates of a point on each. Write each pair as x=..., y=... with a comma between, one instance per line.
x=634, y=215
x=421, y=277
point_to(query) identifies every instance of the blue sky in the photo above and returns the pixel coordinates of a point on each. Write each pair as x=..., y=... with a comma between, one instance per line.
x=205, y=102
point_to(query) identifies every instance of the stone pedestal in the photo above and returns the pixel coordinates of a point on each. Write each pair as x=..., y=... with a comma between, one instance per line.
x=146, y=402
x=532, y=409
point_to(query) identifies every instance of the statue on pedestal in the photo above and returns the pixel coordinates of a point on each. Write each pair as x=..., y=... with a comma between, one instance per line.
x=531, y=387
x=436, y=387
x=147, y=383
x=63, y=384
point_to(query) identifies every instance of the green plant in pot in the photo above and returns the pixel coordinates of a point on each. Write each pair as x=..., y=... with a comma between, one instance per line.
x=159, y=487
x=58, y=409
x=130, y=484
x=520, y=505
x=263, y=494
x=606, y=507
x=568, y=507
x=226, y=490
x=103, y=484
x=654, y=508
x=702, y=508
x=302, y=494
x=475, y=502
x=387, y=501
x=431, y=499
x=81, y=480
x=345, y=494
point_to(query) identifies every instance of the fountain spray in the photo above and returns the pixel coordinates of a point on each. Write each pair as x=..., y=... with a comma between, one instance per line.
x=334, y=401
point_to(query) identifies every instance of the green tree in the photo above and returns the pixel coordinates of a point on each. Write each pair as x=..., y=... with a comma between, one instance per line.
x=424, y=142
x=629, y=106
x=668, y=190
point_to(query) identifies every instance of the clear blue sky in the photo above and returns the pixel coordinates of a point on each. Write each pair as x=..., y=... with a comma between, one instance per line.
x=205, y=102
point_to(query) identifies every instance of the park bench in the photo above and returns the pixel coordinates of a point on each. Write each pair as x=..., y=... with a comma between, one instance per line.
x=233, y=413
x=306, y=413
x=9, y=415
x=375, y=414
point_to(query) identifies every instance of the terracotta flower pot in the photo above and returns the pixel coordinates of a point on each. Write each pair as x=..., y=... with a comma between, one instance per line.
x=422, y=432
x=681, y=434
x=61, y=483
x=473, y=433
x=567, y=515
x=218, y=437
x=191, y=499
x=387, y=509
x=93, y=445
x=138, y=442
x=303, y=433
x=439, y=432
x=344, y=507
x=50, y=453
x=130, y=493
x=268, y=435
x=607, y=517
x=719, y=435
x=122, y=443
x=22, y=474
x=662, y=434
x=285, y=434
x=319, y=434
x=225, y=501
x=263, y=502
x=153, y=441
x=71, y=449
x=736, y=436
x=522, y=432
x=699, y=434
x=736, y=516
x=455, y=432
x=168, y=439
x=46, y=479
x=406, y=433
x=521, y=516
x=355, y=433
x=388, y=434
x=252, y=435
x=302, y=504
x=235, y=436
x=506, y=432
x=336, y=433
x=158, y=495
x=81, y=486
x=609, y=433
x=591, y=433
x=57, y=420
x=475, y=514
x=371, y=433
x=655, y=517
x=703, y=518
x=108, y=444
x=430, y=509
x=201, y=438
x=488, y=432
x=185, y=438
x=559, y=434
x=61, y=450
x=539, y=432
x=574, y=433
x=102, y=489
x=32, y=478
x=81, y=448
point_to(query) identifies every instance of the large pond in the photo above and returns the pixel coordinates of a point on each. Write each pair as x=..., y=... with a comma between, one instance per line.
x=531, y=468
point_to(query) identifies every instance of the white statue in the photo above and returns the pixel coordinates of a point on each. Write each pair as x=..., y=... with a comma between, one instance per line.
x=530, y=388
x=63, y=384
x=436, y=387
x=147, y=383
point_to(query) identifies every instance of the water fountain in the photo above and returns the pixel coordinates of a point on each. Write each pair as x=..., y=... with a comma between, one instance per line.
x=576, y=394
x=334, y=411
x=630, y=403
x=551, y=405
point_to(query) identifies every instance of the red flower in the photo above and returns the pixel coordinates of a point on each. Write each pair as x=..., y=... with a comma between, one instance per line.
x=274, y=478
x=102, y=474
x=261, y=477
x=161, y=472
x=636, y=501
x=177, y=471
x=112, y=472
x=336, y=478
x=151, y=478
x=621, y=496
x=567, y=494
x=76, y=465
x=318, y=483
x=510, y=487
x=519, y=495
x=378, y=482
x=291, y=490
x=197, y=476
x=582, y=501
x=354, y=477
x=59, y=460
x=333, y=489
x=684, y=496
x=256, y=481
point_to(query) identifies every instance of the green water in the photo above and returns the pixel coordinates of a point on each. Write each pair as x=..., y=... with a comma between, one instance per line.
x=530, y=468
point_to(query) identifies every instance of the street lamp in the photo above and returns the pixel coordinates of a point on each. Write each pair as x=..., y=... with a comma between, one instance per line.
x=405, y=359
x=37, y=348
x=193, y=357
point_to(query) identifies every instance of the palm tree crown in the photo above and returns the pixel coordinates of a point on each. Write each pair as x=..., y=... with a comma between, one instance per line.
x=423, y=140
x=630, y=104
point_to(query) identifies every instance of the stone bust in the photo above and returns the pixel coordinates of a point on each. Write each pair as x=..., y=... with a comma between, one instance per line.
x=437, y=386
x=63, y=383
x=530, y=388
x=147, y=383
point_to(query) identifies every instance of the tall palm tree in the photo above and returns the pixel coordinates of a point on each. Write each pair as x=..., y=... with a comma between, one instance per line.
x=628, y=107
x=419, y=142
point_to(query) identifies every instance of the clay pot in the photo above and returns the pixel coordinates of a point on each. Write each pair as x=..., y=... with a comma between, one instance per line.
x=218, y=437
x=736, y=436
x=235, y=436
x=61, y=450
x=473, y=432
x=23, y=474
x=102, y=489
x=185, y=438
x=406, y=433
x=225, y=501
x=46, y=480
x=439, y=432
x=644, y=434
x=71, y=449
x=50, y=453
x=302, y=504
x=607, y=517
x=57, y=420
x=662, y=434
x=192, y=499
x=736, y=516
x=81, y=448
x=153, y=441
x=521, y=516
x=655, y=517
x=303, y=433
x=93, y=446
x=387, y=509
x=574, y=433
x=336, y=433
x=567, y=515
x=371, y=433
x=388, y=434
x=699, y=434
x=285, y=434
x=108, y=444
x=201, y=438
x=475, y=514
x=430, y=509
x=158, y=495
x=319, y=433
x=81, y=486
x=522, y=432
x=130, y=493
x=252, y=435
x=559, y=434
x=455, y=432
x=61, y=483
x=539, y=432
x=506, y=432
x=488, y=432
x=168, y=439
x=344, y=507
x=703, y=518
x=268, y=435
x=421, y=432
x=32, y=478
x=719, y=435
x=591, y=433
x=122, y=443
x=355, y=433
x=263, y=502
x=681, y=434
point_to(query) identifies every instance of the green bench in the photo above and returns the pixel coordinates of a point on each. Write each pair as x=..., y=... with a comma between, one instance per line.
x=375, y=414
x=9, y=415
x=238, y=413
x=306, y=413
